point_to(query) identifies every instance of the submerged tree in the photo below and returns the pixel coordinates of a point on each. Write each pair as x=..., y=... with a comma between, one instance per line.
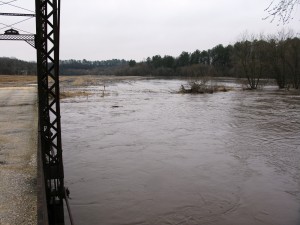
x=282, y=9
x=278, y=61
x=250, y=59
x=284, y=59
x=293, y=62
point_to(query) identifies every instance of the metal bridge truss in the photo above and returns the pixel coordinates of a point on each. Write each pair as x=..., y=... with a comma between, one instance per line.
x=29, y=38
x=47, y=45
x=17, y=14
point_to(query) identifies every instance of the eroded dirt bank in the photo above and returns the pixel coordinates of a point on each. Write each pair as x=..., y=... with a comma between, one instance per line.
x=18, y=132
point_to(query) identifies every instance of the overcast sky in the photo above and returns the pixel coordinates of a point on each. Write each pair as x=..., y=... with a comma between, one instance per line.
x=136, y=29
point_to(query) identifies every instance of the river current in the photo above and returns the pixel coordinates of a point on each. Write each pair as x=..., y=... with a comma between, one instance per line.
x=142, y=154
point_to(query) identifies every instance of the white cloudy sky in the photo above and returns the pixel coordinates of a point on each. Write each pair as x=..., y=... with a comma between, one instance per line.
x=136, y=29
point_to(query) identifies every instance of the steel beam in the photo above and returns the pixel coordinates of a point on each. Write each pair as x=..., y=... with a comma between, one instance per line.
x=29, y=38
x=47, y=45
x=17, y=14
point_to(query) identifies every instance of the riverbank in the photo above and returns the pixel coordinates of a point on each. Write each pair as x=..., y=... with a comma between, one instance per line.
x=65, y=81
x=69, y=85
x=18, y=147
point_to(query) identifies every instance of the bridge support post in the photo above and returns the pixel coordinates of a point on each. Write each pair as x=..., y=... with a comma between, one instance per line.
x=47, y=45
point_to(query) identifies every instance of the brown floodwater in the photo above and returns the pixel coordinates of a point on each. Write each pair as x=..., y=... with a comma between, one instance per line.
x=144, y=155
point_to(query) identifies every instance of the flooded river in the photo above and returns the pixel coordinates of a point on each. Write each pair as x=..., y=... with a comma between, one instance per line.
x=143, y=155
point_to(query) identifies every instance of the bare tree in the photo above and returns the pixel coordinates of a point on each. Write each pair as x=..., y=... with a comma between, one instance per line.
x=250, y=59
x=282, y=9
x=278, y=56
x=294, y=61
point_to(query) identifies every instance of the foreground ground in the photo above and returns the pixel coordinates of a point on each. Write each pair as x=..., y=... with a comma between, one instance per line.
x=18, y=155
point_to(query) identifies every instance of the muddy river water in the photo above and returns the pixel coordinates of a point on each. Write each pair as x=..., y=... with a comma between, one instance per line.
x=143, y=155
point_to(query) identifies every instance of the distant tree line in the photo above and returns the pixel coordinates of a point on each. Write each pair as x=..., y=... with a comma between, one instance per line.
x=86, y=67
x=253, y=58
x=13, y=66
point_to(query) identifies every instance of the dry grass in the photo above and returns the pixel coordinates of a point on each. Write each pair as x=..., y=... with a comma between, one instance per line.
x=92, y=80
x=73, y=94
x=16, y=80
x=77, y=81
x=68, y=84
x=65, y=81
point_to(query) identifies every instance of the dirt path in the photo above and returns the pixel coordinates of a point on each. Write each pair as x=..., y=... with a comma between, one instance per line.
x=18, y=132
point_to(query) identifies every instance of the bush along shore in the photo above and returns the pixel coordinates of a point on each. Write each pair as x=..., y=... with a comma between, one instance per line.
x=202, y=87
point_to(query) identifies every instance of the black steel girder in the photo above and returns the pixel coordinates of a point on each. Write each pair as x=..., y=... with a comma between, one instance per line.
x=47, y=45
x=17, y=14
x=29, y=38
